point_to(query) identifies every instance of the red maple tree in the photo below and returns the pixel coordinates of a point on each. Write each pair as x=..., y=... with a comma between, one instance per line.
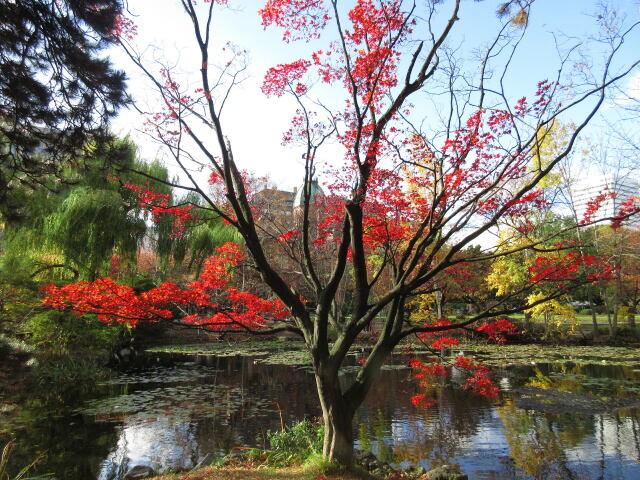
x=385, y=235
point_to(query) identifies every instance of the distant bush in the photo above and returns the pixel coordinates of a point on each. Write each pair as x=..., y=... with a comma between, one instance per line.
x=627, y=331
x=10, y=346
x=65, y=332
x=585, y=311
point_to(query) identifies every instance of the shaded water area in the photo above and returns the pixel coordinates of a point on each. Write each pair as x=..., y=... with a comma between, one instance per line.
x=171, y=411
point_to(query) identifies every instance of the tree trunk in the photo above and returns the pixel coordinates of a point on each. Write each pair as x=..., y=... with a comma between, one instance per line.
x=546, y=325
x=338, y=420
x=439, y=303
x=618, y=287
x=527, y=321
x=610, y=308
x=338, y=438
x=613, y=325
x=594, y=317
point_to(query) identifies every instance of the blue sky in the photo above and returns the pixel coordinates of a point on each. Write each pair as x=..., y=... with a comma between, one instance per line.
x=255, y=124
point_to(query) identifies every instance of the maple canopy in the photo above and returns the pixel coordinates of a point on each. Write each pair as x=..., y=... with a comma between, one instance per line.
x=404, y=199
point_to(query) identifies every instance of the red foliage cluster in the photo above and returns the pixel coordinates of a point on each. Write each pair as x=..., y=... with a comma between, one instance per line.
x=397, y=202
x=426, y=372
x=498, y=330
x=211, y=300
x=124, y=28
x=627, y=208
x=442, y=341
x=300, y=19
x=445, y=342
x=461, y=274
x=478, y=381
x=165, y=124
x=113, y=302
x=568, y=267
x=432, y=369
x=280, y=77
x=594, y=204
x=288, y=236
x=158, y=204
x=421, y=400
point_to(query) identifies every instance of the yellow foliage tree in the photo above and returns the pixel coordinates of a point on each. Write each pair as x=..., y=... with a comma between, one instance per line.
x=558, y=317
x=551, y=140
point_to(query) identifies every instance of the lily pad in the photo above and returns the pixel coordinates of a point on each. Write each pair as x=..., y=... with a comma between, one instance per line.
x=556, y=401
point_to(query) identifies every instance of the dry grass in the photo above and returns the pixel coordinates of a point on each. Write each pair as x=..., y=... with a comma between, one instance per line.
x=238, y=473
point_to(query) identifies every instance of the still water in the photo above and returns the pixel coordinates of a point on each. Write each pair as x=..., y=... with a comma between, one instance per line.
x=171, y=412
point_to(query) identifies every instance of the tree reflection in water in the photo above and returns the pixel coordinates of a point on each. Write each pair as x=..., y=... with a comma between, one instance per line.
x=172, y=415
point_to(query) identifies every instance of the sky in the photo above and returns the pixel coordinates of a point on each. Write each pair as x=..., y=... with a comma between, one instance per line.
x=255, y=124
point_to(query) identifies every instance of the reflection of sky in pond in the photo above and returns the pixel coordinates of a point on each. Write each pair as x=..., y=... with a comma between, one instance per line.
x=173, y=416
x=165, y=423
x=499, y=441
x=616, y=446
x=159, y=443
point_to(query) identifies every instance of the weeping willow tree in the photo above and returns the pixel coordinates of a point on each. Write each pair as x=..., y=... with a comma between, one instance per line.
x=71, y=227
x=91, y=225
x=203, y=239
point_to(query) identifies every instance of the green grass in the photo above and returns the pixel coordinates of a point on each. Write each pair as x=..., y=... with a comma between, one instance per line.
x=600, y=318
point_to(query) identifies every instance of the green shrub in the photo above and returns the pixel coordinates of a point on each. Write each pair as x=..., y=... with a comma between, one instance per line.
x=627, y=331
x=585, y=311
x=293, y=445
x=19, y=300
x=65, y=332
x=320, y=466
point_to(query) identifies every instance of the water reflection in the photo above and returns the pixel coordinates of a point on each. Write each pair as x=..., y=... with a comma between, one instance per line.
x=170, y=415
x=567, y=446
x=154, y=444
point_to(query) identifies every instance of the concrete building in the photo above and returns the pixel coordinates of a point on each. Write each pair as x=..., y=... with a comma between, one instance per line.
x=282, y=208
x=621, y=188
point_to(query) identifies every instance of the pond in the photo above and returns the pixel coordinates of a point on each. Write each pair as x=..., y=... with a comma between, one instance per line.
x=171, y=411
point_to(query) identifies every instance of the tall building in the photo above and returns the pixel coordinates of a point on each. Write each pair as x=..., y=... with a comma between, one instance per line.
x=283, y=207
x=278, y=212
x=619, y=190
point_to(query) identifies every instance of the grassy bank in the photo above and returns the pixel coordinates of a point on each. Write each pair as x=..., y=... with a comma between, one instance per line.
x=294, y=453
x=262, y=473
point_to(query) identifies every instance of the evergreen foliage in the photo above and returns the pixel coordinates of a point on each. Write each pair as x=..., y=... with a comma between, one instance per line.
x=57, y=90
